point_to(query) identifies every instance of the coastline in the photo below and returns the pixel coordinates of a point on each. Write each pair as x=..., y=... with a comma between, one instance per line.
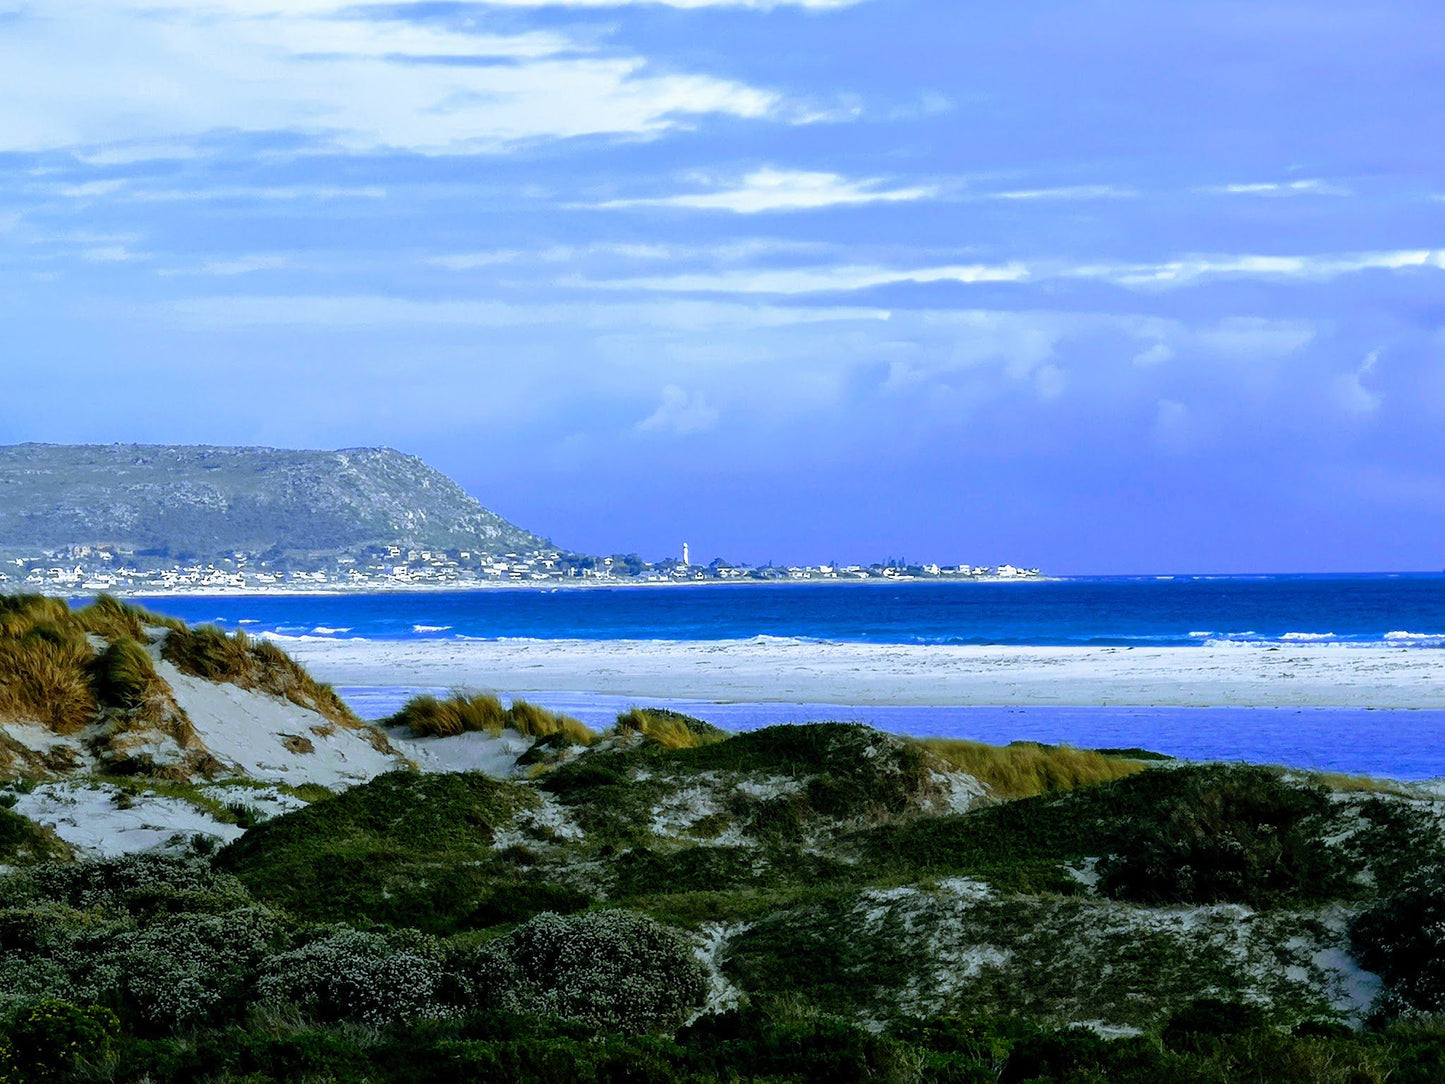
x=469, y=587
x=775, y=670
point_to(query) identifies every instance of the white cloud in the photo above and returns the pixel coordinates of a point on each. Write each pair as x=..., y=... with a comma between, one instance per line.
x=813, y=280
x=1156, y=354
x=359, y=312
x=1072, y=192
x=1318, y=267
x=110, y=254
x=823, y=278
x=1280, y=188
x=680, y=413
x=174, y=74
x=785, y=190
x=238, y=265
x=1350, y=391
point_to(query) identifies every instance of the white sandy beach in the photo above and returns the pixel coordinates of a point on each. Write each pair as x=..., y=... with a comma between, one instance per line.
x=780, y=670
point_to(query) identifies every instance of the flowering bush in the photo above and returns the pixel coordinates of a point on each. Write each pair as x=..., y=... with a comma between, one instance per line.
x=609, y=969
x=186, y=970
x=138, y=883
x=369, y=978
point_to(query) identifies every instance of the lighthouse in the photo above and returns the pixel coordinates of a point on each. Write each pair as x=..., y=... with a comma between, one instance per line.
x=685, y=561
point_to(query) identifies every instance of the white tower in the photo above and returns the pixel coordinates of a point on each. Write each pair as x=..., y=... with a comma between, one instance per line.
x=685, y=561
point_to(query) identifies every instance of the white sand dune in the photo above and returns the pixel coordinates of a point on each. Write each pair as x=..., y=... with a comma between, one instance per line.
x=780, y=670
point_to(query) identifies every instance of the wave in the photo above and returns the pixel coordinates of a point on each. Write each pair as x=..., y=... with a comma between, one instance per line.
x=326, y=630
x=430, y=628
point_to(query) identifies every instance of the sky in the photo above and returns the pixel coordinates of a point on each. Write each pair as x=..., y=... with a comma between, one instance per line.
x=1098, y=286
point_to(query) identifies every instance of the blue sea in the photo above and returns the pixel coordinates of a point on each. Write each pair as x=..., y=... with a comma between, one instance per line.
x=1183, y=612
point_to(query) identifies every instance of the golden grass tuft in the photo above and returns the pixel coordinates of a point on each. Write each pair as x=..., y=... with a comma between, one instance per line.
x=207, y=652
x=1361, y=784
x=461, y=713
x=43, y=678
x=670, y=729
x=1024, y=769
x=107, y=616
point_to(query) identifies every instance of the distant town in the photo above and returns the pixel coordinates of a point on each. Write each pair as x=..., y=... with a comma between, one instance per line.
x=94, y=569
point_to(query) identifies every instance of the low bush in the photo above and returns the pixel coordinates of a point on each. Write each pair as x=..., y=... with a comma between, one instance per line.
x=1226, y=835
x=1402, y=939
x=1206, y=1020
x=611, y=969
x=56, y=1041
x=369, y=978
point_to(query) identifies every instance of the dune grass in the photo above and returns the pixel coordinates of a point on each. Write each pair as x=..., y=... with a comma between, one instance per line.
x=60, y=667
x=207, y=652
x=46, y=682
x=462, y=713
x=1024, y=769
x=112, y=619
x=670, y=729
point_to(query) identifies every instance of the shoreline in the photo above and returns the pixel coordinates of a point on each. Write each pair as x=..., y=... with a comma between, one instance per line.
x=882, y=675
x=536, y=585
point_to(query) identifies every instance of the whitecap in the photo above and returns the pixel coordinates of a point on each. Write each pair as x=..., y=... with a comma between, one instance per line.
x=430, y=628
x=326, y=630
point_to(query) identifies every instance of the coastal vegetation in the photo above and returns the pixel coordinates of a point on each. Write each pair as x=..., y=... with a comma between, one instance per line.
x=462, y=713
x=664, y=901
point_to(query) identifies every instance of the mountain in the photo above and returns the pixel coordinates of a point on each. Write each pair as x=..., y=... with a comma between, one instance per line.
x=202, y=502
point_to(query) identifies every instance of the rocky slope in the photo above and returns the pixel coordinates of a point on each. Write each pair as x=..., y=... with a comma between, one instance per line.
x=204, y=503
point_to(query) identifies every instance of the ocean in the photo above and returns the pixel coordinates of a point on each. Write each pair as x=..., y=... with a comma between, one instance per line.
x=1156, y=611
x=1184, y=613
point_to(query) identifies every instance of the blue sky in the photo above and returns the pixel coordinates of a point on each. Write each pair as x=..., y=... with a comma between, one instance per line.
x=1095, y=286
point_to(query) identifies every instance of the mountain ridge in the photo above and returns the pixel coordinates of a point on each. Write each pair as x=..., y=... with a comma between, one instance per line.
x=207, y=501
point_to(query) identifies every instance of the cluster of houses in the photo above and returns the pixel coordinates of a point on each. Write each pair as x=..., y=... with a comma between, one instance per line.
x=85, y=569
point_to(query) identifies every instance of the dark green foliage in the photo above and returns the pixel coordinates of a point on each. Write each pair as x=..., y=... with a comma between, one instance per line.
x=1402, y=938
x=518, y=901
x=404, y=849
x=136, y=885
x=1208, y=1019
x=853, y=771
x=1134, y=753
x=23, y=842
x=1226, y=835
x=56, y=1041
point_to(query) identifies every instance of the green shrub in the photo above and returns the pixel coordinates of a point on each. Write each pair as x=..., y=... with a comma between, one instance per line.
x=611, y=969
x=1207, y=1019
x=1225, y=835
x=1402, y=939
x=23, y=842
x=137, y=884
x=56, y=1041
